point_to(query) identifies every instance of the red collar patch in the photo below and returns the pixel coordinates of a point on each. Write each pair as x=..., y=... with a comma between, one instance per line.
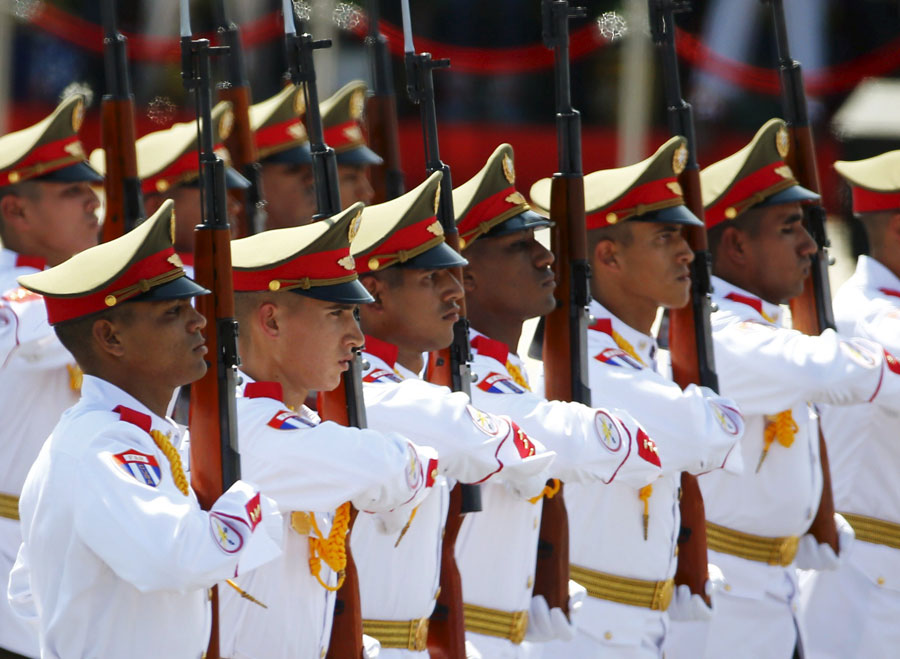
x=264, y=390
x=490, y=348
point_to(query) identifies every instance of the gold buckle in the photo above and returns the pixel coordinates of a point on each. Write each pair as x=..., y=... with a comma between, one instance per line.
x=418, y=639
x=662, y=595
x=787, y=549
x=519, y=627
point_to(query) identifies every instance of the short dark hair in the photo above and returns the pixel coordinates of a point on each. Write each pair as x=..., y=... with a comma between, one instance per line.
x=391, y=276
x=76, y=335
x=747, y=222
x=617, y=233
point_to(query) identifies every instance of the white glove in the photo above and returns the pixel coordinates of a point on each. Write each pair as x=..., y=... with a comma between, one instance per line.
x=687, y=606
x=471, y=651
x=811, y=555
x=546, y=624
x=243, y=520
x=371, y=647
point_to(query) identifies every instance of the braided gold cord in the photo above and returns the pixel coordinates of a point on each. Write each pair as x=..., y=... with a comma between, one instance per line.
x=549, y=491
x=333, y=549
x=174, y=459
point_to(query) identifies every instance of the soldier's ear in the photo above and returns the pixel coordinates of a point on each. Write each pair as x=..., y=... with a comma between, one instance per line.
x=106, y=337
x=606, y=255
x=12, y=211
x=468, y=282
x=375, y=287
x=733, y=245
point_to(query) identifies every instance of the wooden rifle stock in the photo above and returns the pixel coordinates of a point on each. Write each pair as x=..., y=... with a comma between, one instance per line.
x=811, y=311
x=381, y=124
x=214, y=457
x=447, y=625
x=381, y=115
x=346, y=627
x=684, y=343
x=124, y=201
x=118, y=138
x=245, y=158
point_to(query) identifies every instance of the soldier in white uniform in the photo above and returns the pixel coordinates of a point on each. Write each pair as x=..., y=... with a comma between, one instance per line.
x=284, y=158
x=47, y=214
x=117, y=555
x=853, y=611
x=757, y=522
x=509, y=280
x=168, y=165
x=296, y=292
x=402, y=260
x=342, y=123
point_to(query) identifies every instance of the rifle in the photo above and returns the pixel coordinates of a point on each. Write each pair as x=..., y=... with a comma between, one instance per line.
x=124, y=200
x=240, y=143
x=215, y=460
x=811, y=310
x=690, y=334
x=447, y=367
x=381, y=115
x=344, y=405
x=565, y=328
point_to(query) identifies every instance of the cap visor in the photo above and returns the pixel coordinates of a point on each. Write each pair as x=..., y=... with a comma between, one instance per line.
x=350, y=292
x=177, y=289
x=673, y=215
x=789, y=195
x=76, y=173
x=234, y=181
x=297, y=155
x=439, y=256
x=522, y=222
x=360, y=155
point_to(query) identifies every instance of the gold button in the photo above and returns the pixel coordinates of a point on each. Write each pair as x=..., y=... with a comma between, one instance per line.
x=437, y=593
x=14, y=177
x=727, y=588
x=731, y=212
x=322, y=654
x=110, y=300
x=530, y=582
x=880, y=581
x=373, y=264
x=462, y=243
x=676, y=550
x=274, y=285
x=611, y=218
x=535, y=522
x=434, y=474
x=607, y=635
x=162, y=185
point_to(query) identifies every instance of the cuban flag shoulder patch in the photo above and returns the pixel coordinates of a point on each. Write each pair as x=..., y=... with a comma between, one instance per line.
x=616, y=357
x=140, y=466
x=497, y=383
x=382, y=375
x=287, y=420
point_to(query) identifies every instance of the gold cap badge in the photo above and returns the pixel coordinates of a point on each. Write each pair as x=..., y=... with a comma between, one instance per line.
x=357, y=103
x=679, y=159
x=782, y=142
x=78, y=115
x=508, y=169
x=354, y=226
x=226, y=124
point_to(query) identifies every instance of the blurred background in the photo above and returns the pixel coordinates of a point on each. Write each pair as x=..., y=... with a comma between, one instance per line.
x=500, y=84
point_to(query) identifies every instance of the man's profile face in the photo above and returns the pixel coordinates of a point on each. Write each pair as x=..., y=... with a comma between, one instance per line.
x=655, y=264
x=420, y=308
x=290, y=194
x=162, y=342
x=510, y=275
x=355, y=185
x=61, y=217
x=778, y=252
x=317, y=341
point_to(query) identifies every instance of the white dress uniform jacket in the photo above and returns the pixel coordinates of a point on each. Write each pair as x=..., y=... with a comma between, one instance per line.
x=768, y=369
x=583, y=455
x=313, y=468
x=38, y=382
x=401, y=583
x=116, y=560
x=695, y=430
x=853, y=611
